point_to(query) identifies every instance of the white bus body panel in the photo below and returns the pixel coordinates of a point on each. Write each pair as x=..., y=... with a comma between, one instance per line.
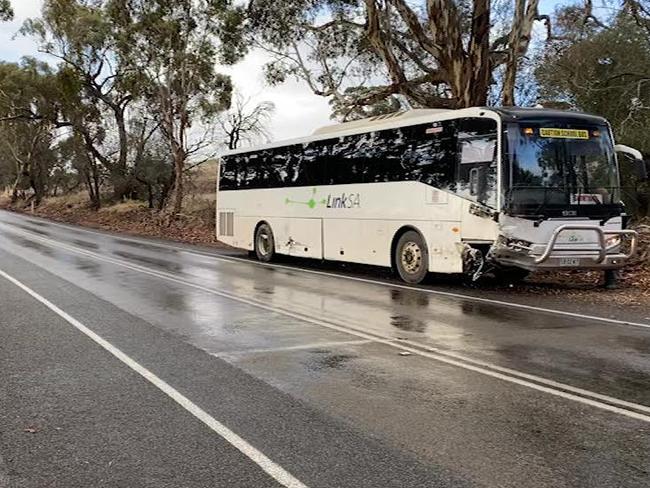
x=356, y=223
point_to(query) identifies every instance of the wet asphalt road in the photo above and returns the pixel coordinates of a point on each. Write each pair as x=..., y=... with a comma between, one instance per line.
x=339, y=382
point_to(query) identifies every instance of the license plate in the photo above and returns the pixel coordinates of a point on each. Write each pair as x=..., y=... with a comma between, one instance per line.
x=569, y=262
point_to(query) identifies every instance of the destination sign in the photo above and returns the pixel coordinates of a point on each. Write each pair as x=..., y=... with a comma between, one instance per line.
x=563, y=133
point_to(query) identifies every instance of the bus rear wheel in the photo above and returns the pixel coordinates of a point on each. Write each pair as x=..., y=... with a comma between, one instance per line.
x=411, y=257
x=264, y=243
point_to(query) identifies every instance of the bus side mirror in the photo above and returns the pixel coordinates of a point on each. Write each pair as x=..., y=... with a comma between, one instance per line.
x=641, y=169
x=640, y=165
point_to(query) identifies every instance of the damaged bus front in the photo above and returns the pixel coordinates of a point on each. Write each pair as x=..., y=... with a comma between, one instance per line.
x=561, y=193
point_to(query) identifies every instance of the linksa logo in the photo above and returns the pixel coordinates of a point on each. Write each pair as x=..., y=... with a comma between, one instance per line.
x=346, y=200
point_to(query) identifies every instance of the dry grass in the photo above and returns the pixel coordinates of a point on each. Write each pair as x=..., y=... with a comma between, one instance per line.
x=124, y=207
x=203, y=179
x=195, y=225
x=5, y=198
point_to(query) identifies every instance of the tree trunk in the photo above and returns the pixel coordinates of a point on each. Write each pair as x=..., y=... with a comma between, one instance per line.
x=525, y=16
x=120, y=179
x=22, y=174
x=178, y=188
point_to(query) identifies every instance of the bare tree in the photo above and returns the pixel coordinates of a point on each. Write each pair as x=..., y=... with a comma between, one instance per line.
x=243, y=124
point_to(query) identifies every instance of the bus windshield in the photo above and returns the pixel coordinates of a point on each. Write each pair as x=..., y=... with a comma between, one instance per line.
x=554, y=165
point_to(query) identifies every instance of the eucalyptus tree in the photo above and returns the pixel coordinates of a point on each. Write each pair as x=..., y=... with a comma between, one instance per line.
x=175, y=45
x=80, y=35
x=604, y=68
x=6, y=10
x=26, y=140
x=438, y=53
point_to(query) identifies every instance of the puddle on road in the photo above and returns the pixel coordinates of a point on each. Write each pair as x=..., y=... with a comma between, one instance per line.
x=407, y=323
x=40, y=224
x=326, y=360
x=88, y=266
x=29, y=228
x=265, y=290
x=85, y=244
x=22, y=241
x=161, y=263
x=153, y=247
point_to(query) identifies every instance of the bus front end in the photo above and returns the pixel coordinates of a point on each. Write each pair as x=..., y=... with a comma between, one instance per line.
x=561, y=195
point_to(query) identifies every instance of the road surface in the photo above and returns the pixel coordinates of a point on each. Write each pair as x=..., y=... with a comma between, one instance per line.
x=132, y=363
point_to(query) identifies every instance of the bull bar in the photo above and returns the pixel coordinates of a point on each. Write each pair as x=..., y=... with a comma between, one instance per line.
x=602, y=248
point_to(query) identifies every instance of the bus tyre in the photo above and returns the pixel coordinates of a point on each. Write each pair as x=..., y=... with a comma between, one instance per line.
x=264, y=243
x=412, y=257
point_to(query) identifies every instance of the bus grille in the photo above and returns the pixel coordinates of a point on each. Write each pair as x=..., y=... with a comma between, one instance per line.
x=227, y=224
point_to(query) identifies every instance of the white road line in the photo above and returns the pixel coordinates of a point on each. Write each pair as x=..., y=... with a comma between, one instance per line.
x=448, y=294
x=300, y=347
x=586, y=397
x=273, y=469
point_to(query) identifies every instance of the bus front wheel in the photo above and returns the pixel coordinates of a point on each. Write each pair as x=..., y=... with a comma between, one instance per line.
x=264, y=243
x=411, y=257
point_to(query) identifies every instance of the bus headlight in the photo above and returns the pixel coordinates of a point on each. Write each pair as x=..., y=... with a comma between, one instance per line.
x=613, y=241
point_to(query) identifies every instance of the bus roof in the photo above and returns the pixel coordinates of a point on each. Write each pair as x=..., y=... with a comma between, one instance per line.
x=421, y=116
x=528, y=113
x=377, y=121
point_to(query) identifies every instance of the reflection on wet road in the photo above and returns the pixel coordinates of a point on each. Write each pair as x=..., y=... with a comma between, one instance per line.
x=488, y=394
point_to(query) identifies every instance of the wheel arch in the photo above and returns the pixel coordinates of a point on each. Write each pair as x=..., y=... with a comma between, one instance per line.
x=396, y=237
x=257, y=226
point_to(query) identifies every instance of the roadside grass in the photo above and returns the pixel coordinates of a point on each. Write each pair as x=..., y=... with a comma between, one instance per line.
x=196, y=223
x=5, y=198
x=124, y=207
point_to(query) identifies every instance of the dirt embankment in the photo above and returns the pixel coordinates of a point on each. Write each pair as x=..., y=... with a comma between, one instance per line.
x=197, y=226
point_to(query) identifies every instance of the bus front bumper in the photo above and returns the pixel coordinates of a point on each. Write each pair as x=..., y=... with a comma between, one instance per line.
x=605, y=253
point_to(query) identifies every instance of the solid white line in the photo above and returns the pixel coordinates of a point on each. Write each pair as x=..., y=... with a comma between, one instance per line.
x=462, y=296
x=300, y=347
x=273, y=469
x=551, y=387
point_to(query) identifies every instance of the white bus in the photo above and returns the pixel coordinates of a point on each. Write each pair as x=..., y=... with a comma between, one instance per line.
x=445, y=191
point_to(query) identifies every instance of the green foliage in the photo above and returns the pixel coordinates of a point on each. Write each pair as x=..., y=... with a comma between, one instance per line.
x=6, y=11
x=359, y=53
x=26, y=155
x=605, y=71
x=133, y=80
x=172, y=49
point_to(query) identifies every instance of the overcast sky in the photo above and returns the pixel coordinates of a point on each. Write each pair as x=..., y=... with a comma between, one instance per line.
x=298, y=111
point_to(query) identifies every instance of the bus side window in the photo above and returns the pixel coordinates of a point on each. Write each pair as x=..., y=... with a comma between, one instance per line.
x=476, y=169
x=228, y=176
x=277, y=168
x=251, y=172
x=347, y=159
x=310, y=162
x=430, y=154
x=383, y=157
x=240, y=168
